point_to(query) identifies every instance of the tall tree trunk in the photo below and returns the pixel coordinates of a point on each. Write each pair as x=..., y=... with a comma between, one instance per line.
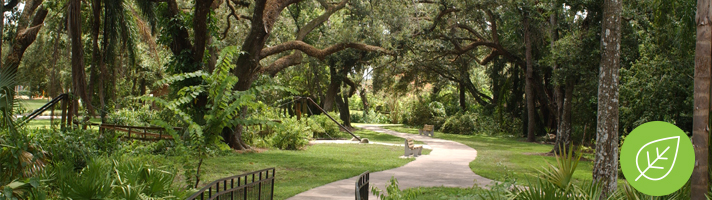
x=531, y=110
x=53, y=80
x=605, y=169
x=563, y=127
x=700, y=127
x=96, y=74
x=78, y=74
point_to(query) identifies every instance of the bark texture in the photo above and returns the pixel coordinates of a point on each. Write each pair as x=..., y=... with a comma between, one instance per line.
x=529, y=87
x=700, y=126
x=78, y=74
x=28, y=26
x=605, y=169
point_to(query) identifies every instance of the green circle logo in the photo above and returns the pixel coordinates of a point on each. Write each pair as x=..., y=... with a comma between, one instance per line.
x=657, y=158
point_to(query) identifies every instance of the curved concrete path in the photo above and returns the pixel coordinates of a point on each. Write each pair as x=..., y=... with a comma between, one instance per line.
x=447, y=165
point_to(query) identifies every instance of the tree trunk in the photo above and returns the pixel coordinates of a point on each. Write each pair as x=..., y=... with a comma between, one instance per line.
x=463, y=103
x=563, y=115
x=344, y=113
x=53, y=77
x=78, y=74
x=605, y=169
x=563, y=132
x=364, y=99
x=333, y=89
x=96, y=75
x=233, y=137
x=700, y=127
x=531, y=110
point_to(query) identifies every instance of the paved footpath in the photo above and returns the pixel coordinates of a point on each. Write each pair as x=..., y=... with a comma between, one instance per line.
x=447, y=165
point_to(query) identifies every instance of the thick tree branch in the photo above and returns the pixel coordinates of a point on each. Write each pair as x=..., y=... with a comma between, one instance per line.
x=319, y=53
x=25, y=36
x=316, y=22
x=283, y=62
x=437, y=19
x=471, y=30
x=272, y=10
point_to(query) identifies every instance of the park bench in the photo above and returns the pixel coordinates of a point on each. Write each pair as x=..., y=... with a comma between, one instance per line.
x=411, y=149
x=427, y=130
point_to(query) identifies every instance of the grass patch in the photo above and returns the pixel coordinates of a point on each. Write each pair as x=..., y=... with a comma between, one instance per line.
x=299, y=171
x=499, y=158
x=33, y=104
x=381, y=137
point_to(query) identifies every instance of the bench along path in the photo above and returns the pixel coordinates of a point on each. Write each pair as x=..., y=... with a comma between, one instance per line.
x=447, y=165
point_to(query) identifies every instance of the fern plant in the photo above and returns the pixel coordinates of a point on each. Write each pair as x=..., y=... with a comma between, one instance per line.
x=223, y=109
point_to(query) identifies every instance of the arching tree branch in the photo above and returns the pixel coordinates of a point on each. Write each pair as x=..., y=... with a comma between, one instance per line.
x=319, y=53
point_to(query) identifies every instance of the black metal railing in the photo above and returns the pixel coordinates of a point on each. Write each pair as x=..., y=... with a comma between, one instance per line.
x=254, y=185
x=362, y=186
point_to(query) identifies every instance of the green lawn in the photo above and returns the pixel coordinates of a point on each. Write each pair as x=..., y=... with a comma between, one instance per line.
x=299, y=171
x=499, y=158
x=34, y=104
x=380, y=137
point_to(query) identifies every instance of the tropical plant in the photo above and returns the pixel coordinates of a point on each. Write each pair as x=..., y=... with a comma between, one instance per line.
x=291, y=134
x=393, y=192
x=225, y=106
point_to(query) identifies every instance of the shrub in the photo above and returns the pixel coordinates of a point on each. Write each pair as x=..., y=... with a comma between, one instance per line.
x=323, y=127
x=123, y=178
x=460, y=123
x=132, y=117
x=291, y=134
x=423, y=111
x=71, y=146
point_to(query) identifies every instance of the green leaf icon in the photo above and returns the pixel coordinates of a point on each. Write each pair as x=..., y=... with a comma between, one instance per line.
x=656, y=159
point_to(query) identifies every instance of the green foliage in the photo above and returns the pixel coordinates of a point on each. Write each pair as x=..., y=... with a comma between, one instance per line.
x=291, y=134
x=323, y=127
x=423, y=111
x=370, y=117
x=460, y=123
x=116, y=179
x=393, y=192
x=566, y=162
x=141, y=116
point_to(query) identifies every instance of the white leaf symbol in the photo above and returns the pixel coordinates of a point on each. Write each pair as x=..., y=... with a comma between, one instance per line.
x=658, y=156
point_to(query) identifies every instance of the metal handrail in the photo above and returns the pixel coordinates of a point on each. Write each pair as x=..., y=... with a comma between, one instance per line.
x=45, y=107
x=362, y=186
x=231, y=180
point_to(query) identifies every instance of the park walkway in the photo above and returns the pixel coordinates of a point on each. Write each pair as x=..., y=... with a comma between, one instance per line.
x=447, y=165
